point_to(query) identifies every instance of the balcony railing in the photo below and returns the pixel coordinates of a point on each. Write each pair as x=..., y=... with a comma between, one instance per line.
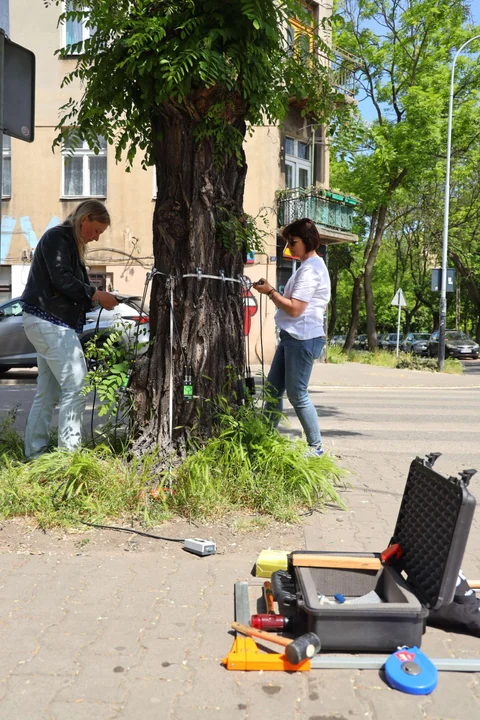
x=342, y=69
x=324, y=207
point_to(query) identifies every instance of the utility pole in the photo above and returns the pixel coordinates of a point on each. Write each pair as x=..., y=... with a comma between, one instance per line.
x=443, y=289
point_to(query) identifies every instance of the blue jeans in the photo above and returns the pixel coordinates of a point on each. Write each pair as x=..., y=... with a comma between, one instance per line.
x=290, y=370
x=61, y=370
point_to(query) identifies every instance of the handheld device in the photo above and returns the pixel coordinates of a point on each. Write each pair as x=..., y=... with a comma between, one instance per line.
x=201, y=547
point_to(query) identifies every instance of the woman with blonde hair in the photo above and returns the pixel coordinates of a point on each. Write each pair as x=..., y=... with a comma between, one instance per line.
x=57, y=295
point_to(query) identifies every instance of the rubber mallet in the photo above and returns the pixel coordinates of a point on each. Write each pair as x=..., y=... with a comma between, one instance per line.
x=303, y=647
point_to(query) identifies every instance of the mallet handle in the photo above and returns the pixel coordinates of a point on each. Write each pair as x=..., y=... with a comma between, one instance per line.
x=253, y=632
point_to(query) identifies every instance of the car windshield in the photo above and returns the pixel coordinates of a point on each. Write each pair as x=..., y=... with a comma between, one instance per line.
x=393, y=336
x=420, y=336
x=456, y=335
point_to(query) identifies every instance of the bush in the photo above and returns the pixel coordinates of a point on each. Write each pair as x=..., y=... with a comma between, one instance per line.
x=410, y=361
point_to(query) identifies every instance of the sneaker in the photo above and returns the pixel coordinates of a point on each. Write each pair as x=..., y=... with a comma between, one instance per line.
x=315, y=451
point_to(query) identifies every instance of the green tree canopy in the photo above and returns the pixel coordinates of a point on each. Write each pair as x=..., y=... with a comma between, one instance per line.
x=405, y=49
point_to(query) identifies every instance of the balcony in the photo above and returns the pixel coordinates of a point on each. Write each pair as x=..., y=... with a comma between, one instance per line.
x=331, y=212
x=342, y=69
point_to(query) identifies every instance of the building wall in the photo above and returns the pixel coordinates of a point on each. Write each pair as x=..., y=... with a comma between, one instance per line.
x=37, y=202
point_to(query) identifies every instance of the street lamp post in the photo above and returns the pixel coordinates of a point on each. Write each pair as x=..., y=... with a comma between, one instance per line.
x=443, y=291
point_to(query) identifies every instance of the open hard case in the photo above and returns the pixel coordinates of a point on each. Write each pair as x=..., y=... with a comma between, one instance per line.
x=431, y=531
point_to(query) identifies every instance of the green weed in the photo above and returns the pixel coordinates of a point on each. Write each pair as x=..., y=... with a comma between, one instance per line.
x=11, y=442
x=336, y=355
x=246, y=466
x=62, y=488
x=249, y=466
x=453, y=366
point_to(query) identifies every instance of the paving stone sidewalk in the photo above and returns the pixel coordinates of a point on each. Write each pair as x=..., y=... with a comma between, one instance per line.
x=134, y=628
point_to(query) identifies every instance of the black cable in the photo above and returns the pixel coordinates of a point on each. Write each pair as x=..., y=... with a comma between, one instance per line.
x=111, y=527
x=133, y=531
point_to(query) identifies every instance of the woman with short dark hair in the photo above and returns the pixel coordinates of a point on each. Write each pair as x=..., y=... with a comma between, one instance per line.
x=300, y=315
x=57, y=295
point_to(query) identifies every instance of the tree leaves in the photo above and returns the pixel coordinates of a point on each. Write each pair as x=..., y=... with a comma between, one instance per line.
x=151, y=53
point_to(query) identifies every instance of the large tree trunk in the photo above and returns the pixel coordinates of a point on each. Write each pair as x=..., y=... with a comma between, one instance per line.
x=368, y=272
x=356, y=297
x=472, y=285
x=193, y=195
x=332, y=316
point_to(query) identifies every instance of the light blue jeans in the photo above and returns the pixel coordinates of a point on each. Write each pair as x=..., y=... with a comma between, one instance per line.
x=61, y=370
x=290, y=370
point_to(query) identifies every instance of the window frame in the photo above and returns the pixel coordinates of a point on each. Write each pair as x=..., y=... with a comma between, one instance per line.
x=6, y=154
x=298, y=163
x=86, y=31
x=85, y=152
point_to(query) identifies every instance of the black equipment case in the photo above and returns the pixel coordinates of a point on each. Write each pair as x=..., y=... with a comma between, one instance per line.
x=432, y=530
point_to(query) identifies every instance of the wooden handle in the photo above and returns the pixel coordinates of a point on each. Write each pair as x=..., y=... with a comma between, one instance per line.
x=253, y=632
x=346, y=562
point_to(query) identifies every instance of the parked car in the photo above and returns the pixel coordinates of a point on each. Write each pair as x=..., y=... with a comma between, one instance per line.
x=17, y=351
x=389, y=341
x=361, y=342
x=417, y=343
x=338, y=340
x=457, y=344
x=382, y=340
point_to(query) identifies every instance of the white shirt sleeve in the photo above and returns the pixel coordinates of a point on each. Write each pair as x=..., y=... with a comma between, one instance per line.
x=306, y=283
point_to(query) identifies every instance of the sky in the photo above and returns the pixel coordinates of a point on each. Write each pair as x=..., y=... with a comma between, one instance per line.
x=366, y=106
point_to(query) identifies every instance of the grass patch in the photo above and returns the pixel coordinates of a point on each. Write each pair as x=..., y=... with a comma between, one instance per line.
x=62, y=489
x=336, y=355
x=246, y=466
x=384, y=358
x=453, y=366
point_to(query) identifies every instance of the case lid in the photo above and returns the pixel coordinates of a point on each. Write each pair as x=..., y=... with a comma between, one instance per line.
x=432, y=529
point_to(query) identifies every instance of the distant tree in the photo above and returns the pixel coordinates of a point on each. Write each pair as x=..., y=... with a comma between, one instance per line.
x=405, y=49
x=182, y=81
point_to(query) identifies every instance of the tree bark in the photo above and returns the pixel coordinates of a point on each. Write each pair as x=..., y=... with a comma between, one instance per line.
x=368, y=272
x=356, y=298
x=472, y=286
x=332, y=317
x=193, y=195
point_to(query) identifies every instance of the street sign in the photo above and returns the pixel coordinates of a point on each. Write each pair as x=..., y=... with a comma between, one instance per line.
x=437, y=280
x=399, y=299
x=18, y=82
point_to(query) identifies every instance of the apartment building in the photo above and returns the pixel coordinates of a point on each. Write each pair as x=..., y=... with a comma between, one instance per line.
x=288, y=177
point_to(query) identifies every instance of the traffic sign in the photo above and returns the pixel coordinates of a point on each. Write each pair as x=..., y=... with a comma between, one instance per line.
x=399, y=299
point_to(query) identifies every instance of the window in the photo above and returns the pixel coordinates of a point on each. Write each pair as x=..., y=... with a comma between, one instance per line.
x=299, y=35
x=84, y=173
x=7, y=167
x=298, y=168
x=13, y=309
x=75, y=31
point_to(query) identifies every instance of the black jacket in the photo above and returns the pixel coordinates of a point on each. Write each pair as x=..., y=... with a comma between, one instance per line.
x=58, y=281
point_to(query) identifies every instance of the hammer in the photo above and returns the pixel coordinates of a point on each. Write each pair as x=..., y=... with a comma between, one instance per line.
x=303, y=647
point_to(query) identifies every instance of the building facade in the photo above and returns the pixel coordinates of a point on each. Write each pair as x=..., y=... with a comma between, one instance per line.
x=288, y=177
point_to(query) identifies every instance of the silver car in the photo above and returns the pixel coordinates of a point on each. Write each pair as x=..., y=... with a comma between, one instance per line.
x=17, y=351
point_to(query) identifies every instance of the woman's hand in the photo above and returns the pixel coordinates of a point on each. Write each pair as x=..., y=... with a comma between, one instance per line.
x=263, y=286
x=105, y=299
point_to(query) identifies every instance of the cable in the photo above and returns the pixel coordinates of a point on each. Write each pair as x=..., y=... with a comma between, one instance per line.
x=133, y=531
x=112, y=527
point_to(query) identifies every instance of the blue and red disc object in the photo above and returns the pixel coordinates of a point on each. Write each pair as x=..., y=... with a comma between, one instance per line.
x=410, y=671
